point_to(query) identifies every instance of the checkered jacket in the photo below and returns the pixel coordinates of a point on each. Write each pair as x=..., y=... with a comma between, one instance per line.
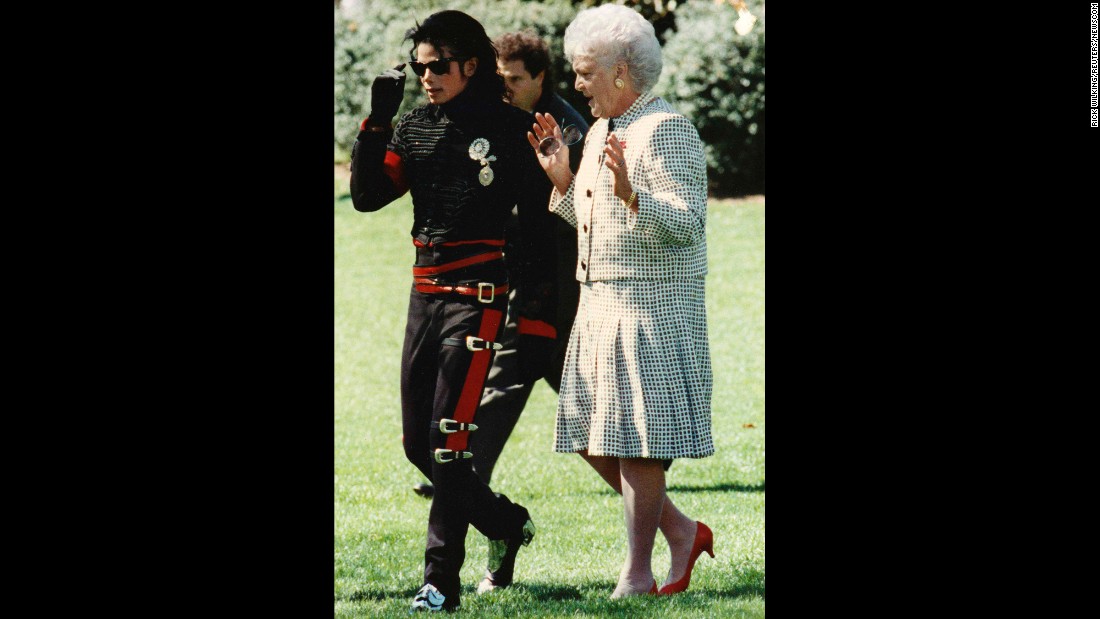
x=666, y=239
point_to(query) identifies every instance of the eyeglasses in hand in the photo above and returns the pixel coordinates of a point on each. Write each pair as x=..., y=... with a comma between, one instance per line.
x=550, y=144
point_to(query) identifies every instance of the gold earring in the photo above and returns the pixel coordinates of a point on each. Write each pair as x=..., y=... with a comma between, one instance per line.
x=619, y=83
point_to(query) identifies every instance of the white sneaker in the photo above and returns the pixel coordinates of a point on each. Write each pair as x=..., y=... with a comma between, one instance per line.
x=429, y=599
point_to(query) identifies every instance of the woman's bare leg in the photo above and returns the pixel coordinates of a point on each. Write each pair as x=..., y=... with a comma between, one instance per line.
x=678, y=529
x=643, y=484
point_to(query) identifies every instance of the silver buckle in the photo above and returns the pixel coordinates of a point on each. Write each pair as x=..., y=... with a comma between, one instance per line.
x=476, y=343
x=461, y=426
x=440, y=453
x=482, y=287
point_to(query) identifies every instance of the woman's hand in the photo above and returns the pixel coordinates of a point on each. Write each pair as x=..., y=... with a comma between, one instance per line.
x=557, y=164
x=615, y=161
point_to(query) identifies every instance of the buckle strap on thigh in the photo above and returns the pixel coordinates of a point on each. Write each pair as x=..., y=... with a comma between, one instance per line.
x=473, y=382
x=443, y=456
x=450, y=426
x=473, y=343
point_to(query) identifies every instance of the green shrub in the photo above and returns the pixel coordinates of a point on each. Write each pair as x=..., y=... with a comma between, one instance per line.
x=366, y=41
x=369, y=38
x=712, y=75
x=715, y=77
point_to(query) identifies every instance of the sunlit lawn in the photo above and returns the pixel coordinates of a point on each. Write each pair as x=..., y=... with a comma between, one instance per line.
x=571, y=567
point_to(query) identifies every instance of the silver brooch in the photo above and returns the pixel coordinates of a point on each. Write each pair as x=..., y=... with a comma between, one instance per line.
x=479, y=148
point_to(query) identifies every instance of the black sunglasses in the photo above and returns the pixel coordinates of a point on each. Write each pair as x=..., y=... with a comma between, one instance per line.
x=439, y=67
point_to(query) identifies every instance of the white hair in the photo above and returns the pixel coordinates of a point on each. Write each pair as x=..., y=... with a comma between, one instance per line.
x=612, y=33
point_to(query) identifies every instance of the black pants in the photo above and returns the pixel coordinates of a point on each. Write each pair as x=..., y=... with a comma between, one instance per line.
x=441, y=381
x=507, y=389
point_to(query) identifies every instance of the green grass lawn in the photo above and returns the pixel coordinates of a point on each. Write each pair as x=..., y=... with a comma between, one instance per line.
x=571, y=567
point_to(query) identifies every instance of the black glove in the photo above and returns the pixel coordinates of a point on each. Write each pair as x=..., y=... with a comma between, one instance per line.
x=385, y=95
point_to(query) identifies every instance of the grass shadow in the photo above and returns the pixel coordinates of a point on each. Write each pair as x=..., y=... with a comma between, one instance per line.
x=560, y=593
x=377, y=595
x=751, y=584
x=542, y=592
x=731, y=487
x=735, y=487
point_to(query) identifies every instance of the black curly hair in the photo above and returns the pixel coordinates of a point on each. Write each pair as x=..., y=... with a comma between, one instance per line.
x=466, y=38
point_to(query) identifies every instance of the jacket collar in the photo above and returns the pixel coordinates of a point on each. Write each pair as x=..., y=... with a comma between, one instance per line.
x=634, y=111
x=465, y=107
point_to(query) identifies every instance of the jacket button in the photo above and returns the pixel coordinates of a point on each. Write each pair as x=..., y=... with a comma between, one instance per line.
x=585, y=226
x=583, y=265
x=589, y=193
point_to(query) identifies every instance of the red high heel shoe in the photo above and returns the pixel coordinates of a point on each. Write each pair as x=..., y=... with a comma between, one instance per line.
x=704, y=540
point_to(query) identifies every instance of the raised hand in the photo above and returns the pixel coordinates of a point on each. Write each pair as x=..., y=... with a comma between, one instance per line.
x=615, y=161
x=386, y=93
x=556, y=165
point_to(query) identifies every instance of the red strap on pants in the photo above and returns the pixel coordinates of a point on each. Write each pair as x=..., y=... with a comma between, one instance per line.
x=541, y=328
x=470, y=398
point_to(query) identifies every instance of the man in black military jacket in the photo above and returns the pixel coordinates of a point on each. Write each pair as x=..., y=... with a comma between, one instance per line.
x=534, y=349
x=466, y=160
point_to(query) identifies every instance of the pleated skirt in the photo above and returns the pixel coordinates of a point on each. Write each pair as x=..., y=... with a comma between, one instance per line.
x=637, y=380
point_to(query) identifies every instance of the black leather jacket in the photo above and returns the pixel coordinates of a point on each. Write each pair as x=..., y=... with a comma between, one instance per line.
x=429, y=153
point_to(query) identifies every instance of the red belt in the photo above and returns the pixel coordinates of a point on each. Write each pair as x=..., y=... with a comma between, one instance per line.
x=484, y=291
x=458, y=264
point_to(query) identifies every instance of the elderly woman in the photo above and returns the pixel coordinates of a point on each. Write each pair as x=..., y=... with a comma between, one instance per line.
x=636, y=388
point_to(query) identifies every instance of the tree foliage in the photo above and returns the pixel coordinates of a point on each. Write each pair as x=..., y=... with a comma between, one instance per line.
x=712, y=75
x=719, y=85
